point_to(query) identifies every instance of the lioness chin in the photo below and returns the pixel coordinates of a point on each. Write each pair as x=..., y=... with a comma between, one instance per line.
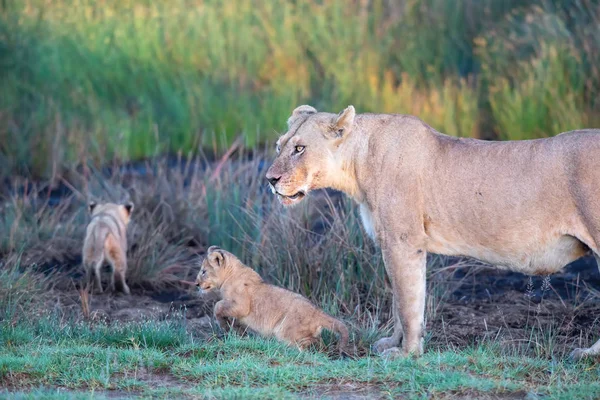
x=266, y=309
x=530, y=206
x=106, y=242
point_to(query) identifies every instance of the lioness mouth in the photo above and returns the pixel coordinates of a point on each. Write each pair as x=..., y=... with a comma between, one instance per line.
x=294, y=197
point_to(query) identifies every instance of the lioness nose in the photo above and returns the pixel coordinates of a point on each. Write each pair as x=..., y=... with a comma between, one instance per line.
x=273, y=180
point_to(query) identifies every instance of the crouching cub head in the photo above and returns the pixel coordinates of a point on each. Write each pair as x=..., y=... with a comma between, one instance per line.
x=309, y=155
x=218, y=266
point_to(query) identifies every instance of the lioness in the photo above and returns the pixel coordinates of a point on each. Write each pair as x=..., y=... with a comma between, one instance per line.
x=106, y=241
x=530, y=206
x=266, y=309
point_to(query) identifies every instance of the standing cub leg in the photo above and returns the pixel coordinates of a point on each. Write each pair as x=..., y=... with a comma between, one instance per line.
x=118, y=261
x=97, y=271
x=92, y=263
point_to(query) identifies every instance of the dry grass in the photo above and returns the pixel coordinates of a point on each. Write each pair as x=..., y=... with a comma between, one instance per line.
x=319, y=249
x=132, y=79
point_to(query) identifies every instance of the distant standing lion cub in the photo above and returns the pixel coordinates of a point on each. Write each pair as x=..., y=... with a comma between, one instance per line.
x=106, y=242
x=266, y=309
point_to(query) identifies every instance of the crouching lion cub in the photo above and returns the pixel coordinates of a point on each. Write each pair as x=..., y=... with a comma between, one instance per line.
x=106, y=241
x=266, y=309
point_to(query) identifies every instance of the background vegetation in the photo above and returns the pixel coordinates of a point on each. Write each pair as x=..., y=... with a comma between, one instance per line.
x=89, y=79
x=119, y=100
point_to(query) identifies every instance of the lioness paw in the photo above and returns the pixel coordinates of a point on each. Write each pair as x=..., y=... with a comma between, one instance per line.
x=392, y=353
x=578, y=354
x=384, y=344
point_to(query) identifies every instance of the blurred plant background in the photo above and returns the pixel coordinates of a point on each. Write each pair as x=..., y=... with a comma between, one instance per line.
x=95, y=80
x=175, y=105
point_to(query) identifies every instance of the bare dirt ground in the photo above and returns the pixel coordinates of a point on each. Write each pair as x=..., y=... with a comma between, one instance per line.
x=476, y=303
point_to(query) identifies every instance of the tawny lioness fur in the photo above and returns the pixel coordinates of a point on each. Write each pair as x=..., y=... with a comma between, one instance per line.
x=106, y=242
x=266, y=309
x=531, y=206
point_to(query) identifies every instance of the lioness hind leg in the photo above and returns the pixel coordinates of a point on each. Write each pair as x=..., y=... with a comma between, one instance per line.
x=593, y=351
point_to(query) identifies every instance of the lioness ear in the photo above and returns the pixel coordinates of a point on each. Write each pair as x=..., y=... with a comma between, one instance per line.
x=128, y=207
x=343, y=122
x=299, y=111
x=215, y=256
x=91, y=206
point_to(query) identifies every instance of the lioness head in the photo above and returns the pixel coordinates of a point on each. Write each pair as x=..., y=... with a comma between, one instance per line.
x=306, y=152
x=121, y=211
x=215, y=268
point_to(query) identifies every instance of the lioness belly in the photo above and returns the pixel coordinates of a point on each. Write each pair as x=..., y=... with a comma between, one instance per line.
x=535, y=257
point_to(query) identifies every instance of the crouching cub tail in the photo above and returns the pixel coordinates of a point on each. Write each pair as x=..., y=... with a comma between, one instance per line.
x=340, y=328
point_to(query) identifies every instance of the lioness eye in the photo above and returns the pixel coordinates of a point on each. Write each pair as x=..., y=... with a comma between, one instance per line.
x=299, y=149
x=277, y=148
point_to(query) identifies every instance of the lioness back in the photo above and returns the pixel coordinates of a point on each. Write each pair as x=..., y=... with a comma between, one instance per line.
x=484, y=197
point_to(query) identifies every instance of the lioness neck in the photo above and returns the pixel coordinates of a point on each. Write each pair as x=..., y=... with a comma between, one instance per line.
x=380, y=147
x=344, y=169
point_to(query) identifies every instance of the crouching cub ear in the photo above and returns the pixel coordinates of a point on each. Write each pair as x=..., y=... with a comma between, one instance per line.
x=91, y=206
x=215, y=256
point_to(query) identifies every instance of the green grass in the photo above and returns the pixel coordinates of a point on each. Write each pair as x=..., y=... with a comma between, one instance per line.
x=161, y=358
x=92, y=81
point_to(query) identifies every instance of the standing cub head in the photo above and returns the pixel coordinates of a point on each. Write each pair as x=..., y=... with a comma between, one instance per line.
x=121, y=211
x=306, y=152
x=216, y=268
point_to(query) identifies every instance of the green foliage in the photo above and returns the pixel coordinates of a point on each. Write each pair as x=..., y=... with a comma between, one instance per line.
x=91, y=80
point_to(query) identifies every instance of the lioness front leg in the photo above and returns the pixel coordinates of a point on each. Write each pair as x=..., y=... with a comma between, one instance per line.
x=406, y=267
